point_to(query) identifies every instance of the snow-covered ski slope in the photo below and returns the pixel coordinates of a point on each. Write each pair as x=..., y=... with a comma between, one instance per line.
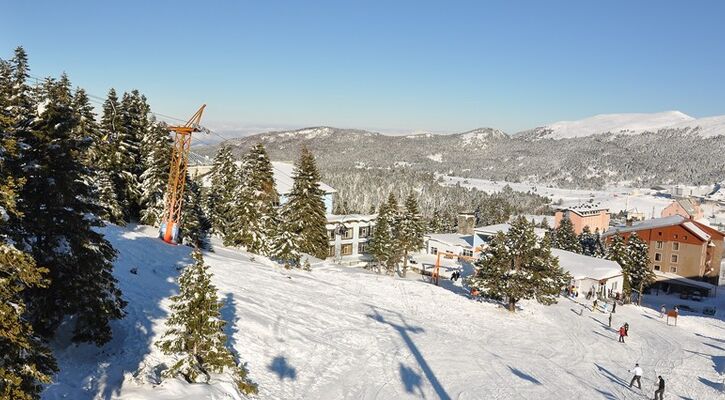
x=338, y=333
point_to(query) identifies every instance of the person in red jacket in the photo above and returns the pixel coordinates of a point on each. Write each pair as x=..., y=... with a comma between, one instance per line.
x=622, y=334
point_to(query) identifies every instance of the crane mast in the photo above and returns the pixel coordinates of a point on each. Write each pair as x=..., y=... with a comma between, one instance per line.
x=169, y=230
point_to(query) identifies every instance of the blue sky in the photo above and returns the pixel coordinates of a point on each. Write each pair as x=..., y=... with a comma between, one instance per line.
x=393, y=66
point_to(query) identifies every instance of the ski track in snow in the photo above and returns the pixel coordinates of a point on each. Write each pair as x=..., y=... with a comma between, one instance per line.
x=340, y=333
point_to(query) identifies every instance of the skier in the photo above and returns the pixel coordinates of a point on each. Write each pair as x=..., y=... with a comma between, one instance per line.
x=610, y=320
x=614, y=306
x=663, y=311
x=660, y=387
x=637, y=376
x=626, y=329
x=594, y=305
x=622, y=334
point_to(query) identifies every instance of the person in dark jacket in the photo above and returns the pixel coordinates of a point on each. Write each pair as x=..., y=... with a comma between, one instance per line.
x=660, y=387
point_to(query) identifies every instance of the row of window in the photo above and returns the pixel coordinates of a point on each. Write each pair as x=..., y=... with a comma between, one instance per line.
x=672, y=268
x=659, y=245
x=466, y=252
x=363, y=232
x=346, y=249
x=673, y=258
x=684, y=237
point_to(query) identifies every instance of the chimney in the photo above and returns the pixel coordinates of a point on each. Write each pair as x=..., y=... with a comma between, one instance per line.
x=466, y=223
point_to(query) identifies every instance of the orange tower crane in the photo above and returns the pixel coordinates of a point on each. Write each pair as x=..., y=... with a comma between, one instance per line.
x=177, y=176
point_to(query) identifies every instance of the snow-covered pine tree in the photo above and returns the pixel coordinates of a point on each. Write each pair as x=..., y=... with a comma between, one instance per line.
x=260, y=179
x=135, y=126
x=638, y=269
x=221, y=201
x=544, y=224
x=155, y=177
x=26, y=362
x=410, y=230
x=565, y=238
x=58, y=226
x=193, y=229
x=285, y=244
x=112, y=155
x=519, y=266
x=617, y=252
x=195, y=333
x=599, y=249
x=383, y=242
x=587, y=241
x=306, y=217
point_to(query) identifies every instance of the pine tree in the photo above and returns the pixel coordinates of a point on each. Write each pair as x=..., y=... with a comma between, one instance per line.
x=306, y=217
x=60, y=215
x=111, y=150
x=154, y=179
x=193, y=229
x=617, y=252
x=196, y=331
x=565, y=238
x=599, y=249
x=587, y=241
x=518, y=266
x=285, y=245
x=259, y=182
x=383, y=242
x=638, y=271
x=410, y=230
x=26, y=363
x=135, y=125
x=221, y=199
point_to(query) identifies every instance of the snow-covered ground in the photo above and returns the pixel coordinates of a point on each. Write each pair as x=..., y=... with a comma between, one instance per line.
x=615, y=198
x=339, y=333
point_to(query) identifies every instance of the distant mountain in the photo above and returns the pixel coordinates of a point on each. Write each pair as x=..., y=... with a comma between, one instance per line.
x=635, y=149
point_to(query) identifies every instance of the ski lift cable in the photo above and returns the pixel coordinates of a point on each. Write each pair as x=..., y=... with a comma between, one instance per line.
x=100, y=100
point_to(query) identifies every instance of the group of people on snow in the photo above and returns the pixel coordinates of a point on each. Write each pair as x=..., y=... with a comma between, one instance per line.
x=637, y=371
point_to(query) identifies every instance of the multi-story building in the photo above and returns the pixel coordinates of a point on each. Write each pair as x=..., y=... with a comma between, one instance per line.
x=588, y=214
x=687, y=208
x=349, y=236
x=679, y=245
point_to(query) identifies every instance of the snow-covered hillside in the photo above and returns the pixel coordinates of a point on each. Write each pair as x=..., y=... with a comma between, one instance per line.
x=339, y=333
x=629, y=123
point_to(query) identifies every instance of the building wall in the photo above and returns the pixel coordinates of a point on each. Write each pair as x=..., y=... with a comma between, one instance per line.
x=336, y=242
x=441, y=247
x=676, y=209
x=613, y=284
x=597, y=221
x=692, y=255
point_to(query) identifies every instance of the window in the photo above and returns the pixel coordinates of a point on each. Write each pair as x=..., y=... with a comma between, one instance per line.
x=657, y=268
x=362, y=248
x=673, y=269
x=364, y=232
x=347, y=233
x=331, y=234
x=675, y=246
x=660, y=244
x=684, y=237
x=468, y=253
x=614, y=286
x=433, y=250
x=658, y=257
x=659, y=233
x=331, y=251
x=675, y=236
x=674, y=258
x=346, y=249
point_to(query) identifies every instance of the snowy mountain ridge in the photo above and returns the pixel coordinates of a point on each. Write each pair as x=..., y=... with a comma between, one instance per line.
x=629, y=124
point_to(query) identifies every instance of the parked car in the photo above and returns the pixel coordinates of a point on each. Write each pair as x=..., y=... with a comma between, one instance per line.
x=696, y=296
x=709, y=310
x=684, y=295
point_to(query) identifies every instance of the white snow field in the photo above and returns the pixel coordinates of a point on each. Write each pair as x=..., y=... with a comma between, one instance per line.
x=340, y=333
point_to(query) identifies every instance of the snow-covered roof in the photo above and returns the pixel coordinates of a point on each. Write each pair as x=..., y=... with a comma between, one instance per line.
x=283, y=178
x=661, y=223
x=492, y=230
x=453, y=239
x=668, y=276
x=581, y=266
x=332, y=218
x=584, y=208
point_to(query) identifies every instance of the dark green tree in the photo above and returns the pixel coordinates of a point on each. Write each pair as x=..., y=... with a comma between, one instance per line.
x=410, y=230
x=306, y=216
x=638, y=269
x=155, y=177
x=617, y=252
x=60, y=215
x=259, y=182
x=565, y=238
x=194, y=227
x=221, y=199
x=518, y=266
x=195, y=333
